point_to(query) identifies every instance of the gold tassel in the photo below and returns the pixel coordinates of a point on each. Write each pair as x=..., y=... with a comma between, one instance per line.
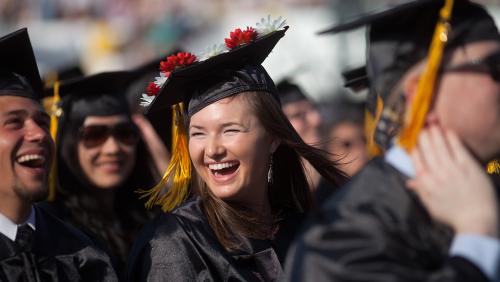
x=415, y=119
x=55, y=112
x=370, y=128
x=178, y=174
x=493, y=167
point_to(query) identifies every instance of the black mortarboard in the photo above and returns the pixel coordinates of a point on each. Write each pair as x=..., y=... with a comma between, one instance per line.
x=290, y=92
x=63, y=74
x=356, y=79
x=19, y=74
x=202, y=83
x=108, y=88
x=398, y=36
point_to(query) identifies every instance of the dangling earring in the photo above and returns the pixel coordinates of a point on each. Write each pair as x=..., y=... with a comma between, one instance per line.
x=270, y=171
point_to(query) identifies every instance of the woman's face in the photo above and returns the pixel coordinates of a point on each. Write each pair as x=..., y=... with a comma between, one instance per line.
x=107, y=149
x=230, y=150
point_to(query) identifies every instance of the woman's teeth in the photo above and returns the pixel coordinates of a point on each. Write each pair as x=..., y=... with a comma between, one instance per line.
x=220, y=166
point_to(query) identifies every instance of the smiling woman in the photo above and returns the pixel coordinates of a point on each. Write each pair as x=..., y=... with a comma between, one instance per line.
x=234, y=218
x=101, y=160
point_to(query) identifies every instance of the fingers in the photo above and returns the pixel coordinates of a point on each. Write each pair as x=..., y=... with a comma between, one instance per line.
x=144, y=126
x=154, y=144
x=433, y=142
x=423, y=180
x=458, y=150
x=417, y=161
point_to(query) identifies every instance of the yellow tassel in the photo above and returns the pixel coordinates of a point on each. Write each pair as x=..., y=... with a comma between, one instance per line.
x=55, y=112
x=173, y=188
x=493, y=167
x=415, y=119
x=370, y=128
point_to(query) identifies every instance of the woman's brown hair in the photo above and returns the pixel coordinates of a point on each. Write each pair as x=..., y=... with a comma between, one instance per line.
x=289, y=191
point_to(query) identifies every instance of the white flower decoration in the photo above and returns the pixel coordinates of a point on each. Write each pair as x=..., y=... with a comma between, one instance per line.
x=212, y=51
x=160, y=80
x=267, y=26
x=146, y=100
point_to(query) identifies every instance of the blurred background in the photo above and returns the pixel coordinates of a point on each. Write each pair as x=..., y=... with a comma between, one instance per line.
x=107, y=35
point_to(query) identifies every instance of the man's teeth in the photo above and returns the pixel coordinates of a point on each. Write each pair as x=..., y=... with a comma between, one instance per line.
x=220, y=166
x=31, y=157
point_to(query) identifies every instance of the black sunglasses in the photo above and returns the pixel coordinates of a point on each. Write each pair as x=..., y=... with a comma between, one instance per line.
x=488, y=65
x=95, y=135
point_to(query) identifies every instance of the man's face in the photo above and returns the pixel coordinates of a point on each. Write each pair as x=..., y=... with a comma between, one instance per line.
x=305, y=119
x=26, y=149
x=468, y=101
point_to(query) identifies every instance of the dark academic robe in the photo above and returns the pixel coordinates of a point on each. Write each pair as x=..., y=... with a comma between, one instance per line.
x=374, y=229
x=181, y=246
x=59, y=253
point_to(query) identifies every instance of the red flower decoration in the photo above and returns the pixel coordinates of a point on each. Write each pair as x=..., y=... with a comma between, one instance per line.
x=239, y=37
x=178, y=60
x=152, y=89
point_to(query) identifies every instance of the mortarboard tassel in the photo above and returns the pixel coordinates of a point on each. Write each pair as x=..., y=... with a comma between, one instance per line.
x=370, y=127
x=55, y=112
x=414, y=120
x=178, y=174
x=493, y=167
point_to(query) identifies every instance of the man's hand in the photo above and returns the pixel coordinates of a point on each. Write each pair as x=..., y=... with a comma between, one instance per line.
x=452, y=185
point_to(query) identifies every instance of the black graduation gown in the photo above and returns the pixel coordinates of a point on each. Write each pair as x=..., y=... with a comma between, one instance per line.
x=374, y=229
x=181, y=246
x=59, y=253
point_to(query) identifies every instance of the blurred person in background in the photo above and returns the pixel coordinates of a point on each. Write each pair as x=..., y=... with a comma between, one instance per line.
x=101, y=161
x=305, y=119
x=344, y=134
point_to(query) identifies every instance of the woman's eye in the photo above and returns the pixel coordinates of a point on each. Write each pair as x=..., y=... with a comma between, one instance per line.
x=195, y=134
x=232, y=130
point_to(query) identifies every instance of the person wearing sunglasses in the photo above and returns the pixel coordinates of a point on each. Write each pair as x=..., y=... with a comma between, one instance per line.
x=34, y=244
x=101, y=161
x=426, y=210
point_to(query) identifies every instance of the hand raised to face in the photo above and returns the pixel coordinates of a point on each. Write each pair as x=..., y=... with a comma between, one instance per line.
x=452, y=185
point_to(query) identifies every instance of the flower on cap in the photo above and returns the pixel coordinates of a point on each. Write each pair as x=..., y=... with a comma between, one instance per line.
x=212, y=51
x=267, y=26
x=178, y=60
x=236, y=38
x=152, y=89
x=172, y=62
x=146, y=100
x=239, y=37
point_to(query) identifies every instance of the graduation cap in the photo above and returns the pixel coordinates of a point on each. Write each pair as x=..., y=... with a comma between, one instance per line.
x=186, y=85
x=19, y=74
x=399, y=36
x=356, y=79
x=80, y=92
x=290, y=92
